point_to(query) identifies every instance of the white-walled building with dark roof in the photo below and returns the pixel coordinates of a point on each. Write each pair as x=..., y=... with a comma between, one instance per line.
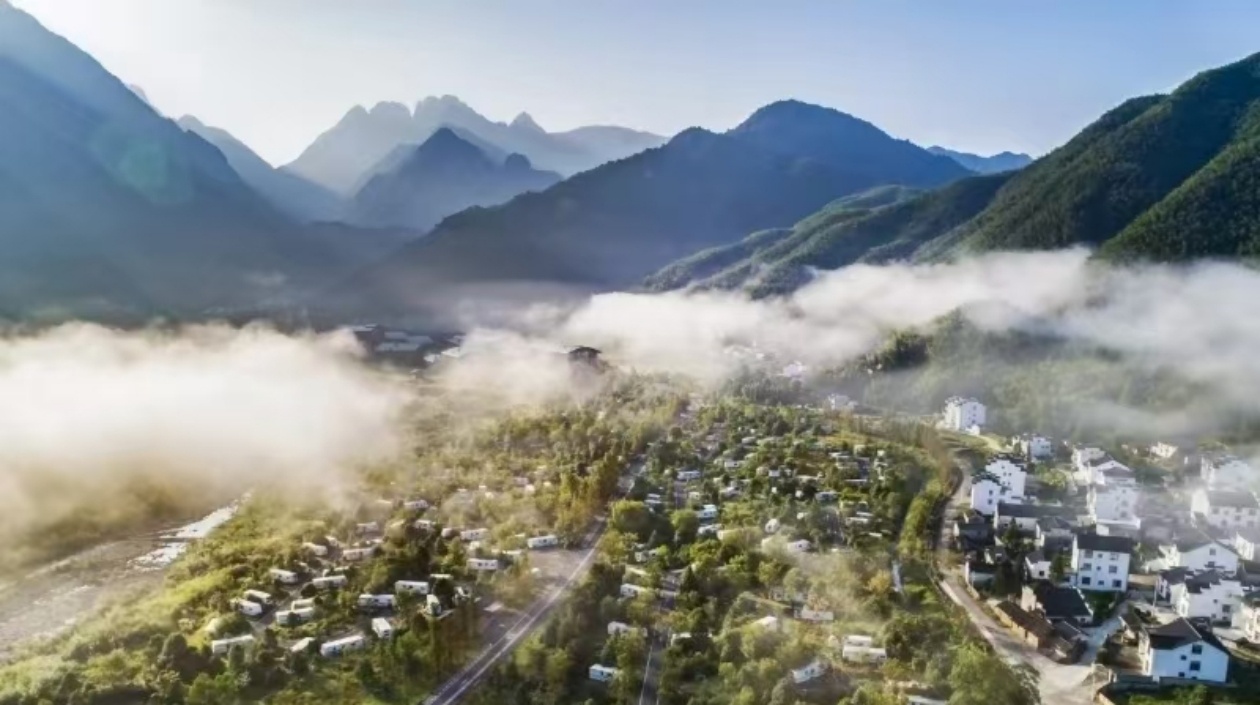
x=1226, y=509
x=1101, y=563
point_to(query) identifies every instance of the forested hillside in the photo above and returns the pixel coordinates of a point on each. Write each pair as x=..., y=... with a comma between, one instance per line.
x=1159, y=178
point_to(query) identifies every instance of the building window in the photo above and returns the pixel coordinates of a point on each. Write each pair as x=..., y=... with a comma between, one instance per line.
x=1085, y=580
x=1196, y=649
x=1194, y=665
x=1115, y=583
x=1087, y=566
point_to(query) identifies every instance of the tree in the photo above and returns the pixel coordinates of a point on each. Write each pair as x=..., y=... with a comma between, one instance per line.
x=981, y=678
x=1059, y=567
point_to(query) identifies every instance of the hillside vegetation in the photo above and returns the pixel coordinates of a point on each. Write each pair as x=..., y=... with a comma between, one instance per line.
x=1162, y=178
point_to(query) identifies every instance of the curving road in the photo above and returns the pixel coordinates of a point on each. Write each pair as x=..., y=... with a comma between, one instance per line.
x=534, y=617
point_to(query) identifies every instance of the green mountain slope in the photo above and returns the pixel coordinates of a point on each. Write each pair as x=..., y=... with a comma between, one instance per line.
x=727, y=265
x=1160, y=178
x=612, y=226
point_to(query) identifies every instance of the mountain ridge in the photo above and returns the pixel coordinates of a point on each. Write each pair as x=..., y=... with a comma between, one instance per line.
x=444, y=175
x=346, y=156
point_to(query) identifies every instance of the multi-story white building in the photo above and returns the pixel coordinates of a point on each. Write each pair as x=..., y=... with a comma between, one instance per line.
x=1112, y=498
x=1220, y=472
x=1209, y=595
x=1101, y=563
x=1093, y=471
x=1179, y=650
x=1002, y=480
x=963, y=413
x=1226, y=509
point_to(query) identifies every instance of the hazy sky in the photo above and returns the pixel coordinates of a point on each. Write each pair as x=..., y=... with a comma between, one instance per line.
x=979, y=75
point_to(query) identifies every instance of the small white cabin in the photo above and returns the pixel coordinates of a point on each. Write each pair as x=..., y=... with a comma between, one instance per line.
x=548, y=541
x=249, y=608
x=315, y=549
x=282, y=576
x=338, y=647
x=258, y=596
x=299, y=615
x=415, y=505
x=411, y=587
x=382, y=628
x=474, y=534
x=485, y=564
x=376, y=601
x=329, y=581
x=358, y=554
x=602, y=674
x=618, y=628
x=219, y=647
x=368, y=527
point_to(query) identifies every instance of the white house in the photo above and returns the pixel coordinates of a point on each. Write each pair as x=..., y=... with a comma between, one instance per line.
x=315, y=549
x=1179, y=650
x=709, y=530
x=474, y=534
x=415, y=505
x=1209, y=595
x=304, y=603
x=619, y=628
x=368, y=527
x=1247, y=543
x=285, y=577
x=1226, y=509
x=219, y=647
x=373, y=602
x=486, y=564
x=1095, y=470
x=382, y=628
x=708, y=512
x=963, y=413
x=329, y=581
x=301, y=615
x=1001, y=481
x=411, y=587
x=537, y=542
x=602, y=674
x=1034, y=447
x=1101, y=563
x=858, y=648
x=249, y=608
x=1221, y=472
x=337, y=647
x=1164, y=451
x=1112, y=501
x=688, y=475
x=814, y=670
x=798, y=546
x=1198, y=554
x=358, y=554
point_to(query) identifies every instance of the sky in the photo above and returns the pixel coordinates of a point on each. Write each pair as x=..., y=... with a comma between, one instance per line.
x=976, y=75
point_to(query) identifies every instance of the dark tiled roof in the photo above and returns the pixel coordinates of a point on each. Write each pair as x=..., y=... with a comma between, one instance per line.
x=1030, y=622
x=1111, y=544
x=1175, y=576
x=1177, y=633
x=1060, y=602
x=1025, y=511
x=1225, y=498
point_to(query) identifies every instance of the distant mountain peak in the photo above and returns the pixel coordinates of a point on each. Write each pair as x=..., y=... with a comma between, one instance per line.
x=517, y=161
x=390, y=110
x=446, y=146
x=188, y=122
x=801, y=112
x=525, y=121
x=1003, y=161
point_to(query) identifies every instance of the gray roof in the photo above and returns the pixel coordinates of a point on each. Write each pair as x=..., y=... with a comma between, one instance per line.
x=1111, y=544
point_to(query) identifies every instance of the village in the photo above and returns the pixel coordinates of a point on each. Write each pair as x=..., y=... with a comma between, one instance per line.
x=1143, y=558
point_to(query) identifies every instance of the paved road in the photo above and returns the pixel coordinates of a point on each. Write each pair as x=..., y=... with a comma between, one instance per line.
x=532, y=619
x=649, y=694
